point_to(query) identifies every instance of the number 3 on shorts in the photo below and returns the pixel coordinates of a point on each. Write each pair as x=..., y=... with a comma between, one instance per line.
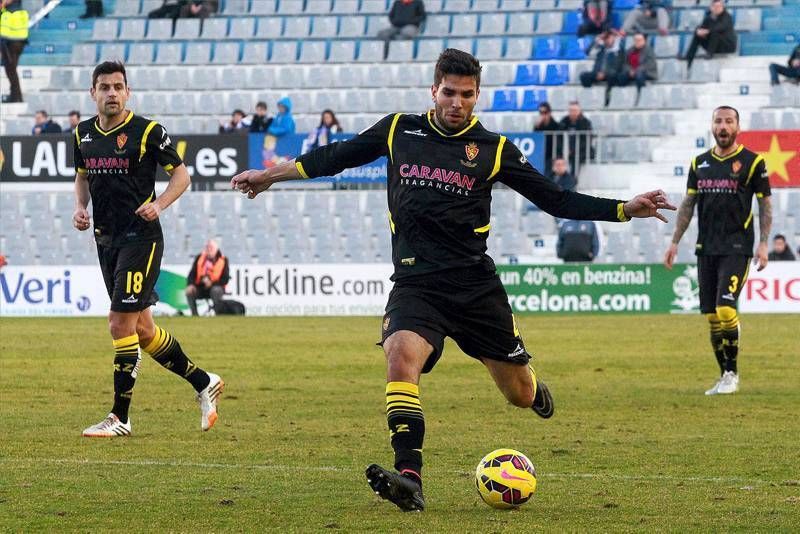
x=134, y=282
x=732, y=288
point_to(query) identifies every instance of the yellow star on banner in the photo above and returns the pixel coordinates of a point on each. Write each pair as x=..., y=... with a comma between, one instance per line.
x=776, y=159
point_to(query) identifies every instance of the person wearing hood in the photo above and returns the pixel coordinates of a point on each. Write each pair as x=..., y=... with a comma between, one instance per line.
x=282, y=123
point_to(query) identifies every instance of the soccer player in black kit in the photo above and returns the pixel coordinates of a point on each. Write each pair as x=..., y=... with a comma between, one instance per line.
x=116, y=158
x=441, y=168
x=722, y=182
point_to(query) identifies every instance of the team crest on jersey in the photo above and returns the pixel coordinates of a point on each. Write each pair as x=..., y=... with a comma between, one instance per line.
x=472, y=151
x=121, y=140
x=736, y=166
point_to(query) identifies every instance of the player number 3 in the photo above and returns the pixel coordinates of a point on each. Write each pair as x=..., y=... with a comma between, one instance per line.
x=734, y=284
x=134, y=283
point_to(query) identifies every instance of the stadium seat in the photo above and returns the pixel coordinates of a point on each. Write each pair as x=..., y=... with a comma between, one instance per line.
x=141, y=53
x=690, y=19
x=263, y=7
x=465, y=44
x=352, y=26
x=591, y=98
x=748, y=20
x=60, y=78
x=623, y=98
x=492, y=24
x=790, y=120
x=672, y=70
x=464, y=24
x=313, y=51
x=318, y=7
x=784, y=96
x=489, y=49
x=342, y=51
x=374, y=6
x=290, y=7
x=576, y=48
x=324, y=26
x=630, y=124
x=241, y=28
x=157, y=29
x=283, y=52
x=429, y=49
x=83, y=54
x=217, y=28
x=133, y=30
x=197, y=53
x=527, y=74
x=105, y=29
x=204, y=78
x=296, y=27
x=289, y=77
x=549, y=22
x=520, y=24
x=504, y=100
x=436, y=25
x=370, y=51
x=210, y=103
x=513, y=5
x=762, y=120
x=226, y=53
x=235, y=7
x=254, y=53
x=456, y=6
x=651, y=97
x=546, y=48
x=125, y=9
x=518, y=48
x=186, y=29
x=531, y=99
x=148, y=6
x=659, y=124
x=556, y=74
x=269, y=27
x=572, y=21
x=345, y=7
x=401, y=51
x=667, y=45
x=704, y=71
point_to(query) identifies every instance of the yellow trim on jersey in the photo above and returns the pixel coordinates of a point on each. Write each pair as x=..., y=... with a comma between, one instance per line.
x=497, y=157
x=694, y=163
x=150, y=259
x=691, y=191
x=391, y=222
x=746, y=274
x=753, y=168
x=143, y=147
x=621, y=213
x=472, y=122
x=300, y=169
x=115, y=128
x=169, y=167
x=759, y=195
x=148, y=199
x=77, y=136
x=735, y=153
x=749, y=220
x=482, y=229
x=390, y=139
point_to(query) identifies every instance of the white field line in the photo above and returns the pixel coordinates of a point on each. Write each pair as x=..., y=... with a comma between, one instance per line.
x=327, y=468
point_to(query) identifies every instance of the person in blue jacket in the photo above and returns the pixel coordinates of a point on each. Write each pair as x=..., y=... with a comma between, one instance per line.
x=282, y=123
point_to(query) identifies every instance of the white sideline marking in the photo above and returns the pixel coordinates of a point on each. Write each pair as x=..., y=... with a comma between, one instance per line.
x=329, y=468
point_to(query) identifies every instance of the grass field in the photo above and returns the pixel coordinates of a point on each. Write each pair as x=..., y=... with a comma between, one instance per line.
x=634, y=444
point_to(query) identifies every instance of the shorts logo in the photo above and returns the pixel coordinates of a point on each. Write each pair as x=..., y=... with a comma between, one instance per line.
x=130, y=300
x=736, y=166
x=728, y=296
x=517, y=352
x=386, y=324
x=408, y=261
x=472, y=151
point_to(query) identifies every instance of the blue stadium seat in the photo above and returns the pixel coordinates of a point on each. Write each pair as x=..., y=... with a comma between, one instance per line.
x=531, y=99
x=504, y=100
x=556, y=74
x=546, y=48
x=528, y=74
x=572, y=20
x=576, y=48
x=625, y=4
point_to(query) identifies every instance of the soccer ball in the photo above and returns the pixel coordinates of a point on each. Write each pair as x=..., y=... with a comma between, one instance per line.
x=505, y=478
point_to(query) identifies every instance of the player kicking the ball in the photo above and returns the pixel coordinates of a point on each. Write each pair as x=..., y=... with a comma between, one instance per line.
x=441, y=168
x=116, y=154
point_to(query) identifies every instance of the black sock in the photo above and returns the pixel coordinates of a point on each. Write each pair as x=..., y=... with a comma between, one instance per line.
x=730, y=336
x=166, y=350
x=126, y=367
x=406, y=427
x=716, y=341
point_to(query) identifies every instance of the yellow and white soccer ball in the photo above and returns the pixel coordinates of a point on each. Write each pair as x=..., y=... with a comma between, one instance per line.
x=505, y=478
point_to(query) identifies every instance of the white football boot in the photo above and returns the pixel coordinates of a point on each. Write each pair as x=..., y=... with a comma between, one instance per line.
x=110, y=427
x=207, y=399
x=715, y=389
x=729, y=383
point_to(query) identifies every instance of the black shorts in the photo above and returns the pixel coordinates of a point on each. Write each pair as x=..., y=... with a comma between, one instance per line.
x=130, y=274
x=469, y=305
x=721, y=280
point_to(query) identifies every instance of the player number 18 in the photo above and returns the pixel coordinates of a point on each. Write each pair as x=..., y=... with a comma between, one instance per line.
x=134, y=283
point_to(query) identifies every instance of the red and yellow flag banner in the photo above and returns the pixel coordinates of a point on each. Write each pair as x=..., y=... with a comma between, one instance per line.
x=781, y=151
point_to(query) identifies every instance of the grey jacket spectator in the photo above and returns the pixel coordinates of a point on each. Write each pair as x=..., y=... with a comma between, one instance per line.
x=781, y=251
x=715, y=34
x=406, y=16
x=608, y=63
x=791, y=70
x=650, y=16
x=640, y=64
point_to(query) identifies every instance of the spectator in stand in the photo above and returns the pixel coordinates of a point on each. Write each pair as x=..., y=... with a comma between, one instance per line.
x=208, y=277
x=13, y=38
x=640, y=64
x=579, y=143
x=236, y=124
x=261, y=121
x=198, y=9
x=561, y=176
x=578, y=241
x=608, y=63
x=715, y=34
x=94, y=8
x=547, y=124
x=282, y=123
x=319, y=136
x=650, y=16
x=74, y=118
x=406, y=16
x=44, y=124
x=792, y=70
x=596, y=17
x=781, y=251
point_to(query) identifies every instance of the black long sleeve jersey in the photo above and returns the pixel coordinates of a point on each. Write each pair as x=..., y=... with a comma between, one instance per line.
x=440, y=188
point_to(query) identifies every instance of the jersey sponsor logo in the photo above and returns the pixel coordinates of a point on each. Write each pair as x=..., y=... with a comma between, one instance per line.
x=86, y=138
x=437, y=174
x=713, y=185
x=105, y=164
x=704, y=165
x=736, y=166
x=130, y=300
x=418, y=132
x=472, y=151
x=166, y=141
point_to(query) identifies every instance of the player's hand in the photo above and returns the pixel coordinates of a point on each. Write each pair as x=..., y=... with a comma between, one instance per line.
x=669, y=257
x=149, y=212
x=80, y=219
x=647, y=205
x=251, y=182
x=762, y=256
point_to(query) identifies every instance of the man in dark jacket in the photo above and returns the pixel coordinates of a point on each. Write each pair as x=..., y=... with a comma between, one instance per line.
x=577, y=241
x=579, y=140
x=780, y=250
x=546, y=123
x=608, y=63
x=792, y=70
x=261, y=121
x=406, y=17
x=561, y=175
x=640, y=64
x=208, y=277
x=44, y=124
x=715, y=34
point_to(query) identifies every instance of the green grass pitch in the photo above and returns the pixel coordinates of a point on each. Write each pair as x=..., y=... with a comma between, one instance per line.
x=634, y=444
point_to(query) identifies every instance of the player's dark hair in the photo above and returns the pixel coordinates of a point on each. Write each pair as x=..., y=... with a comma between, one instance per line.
x=109, y=67
x=726, y=107
x=459, y=63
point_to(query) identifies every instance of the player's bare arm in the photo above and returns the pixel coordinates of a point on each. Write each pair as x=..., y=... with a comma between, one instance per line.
x=179, y=181
x=764, y=228
x=685, y=214
x=80, y=218
x=255, y=181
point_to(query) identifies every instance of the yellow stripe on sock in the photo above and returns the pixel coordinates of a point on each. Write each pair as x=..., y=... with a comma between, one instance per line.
x=402, y=387
x=126, y=341
x=159, y=342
